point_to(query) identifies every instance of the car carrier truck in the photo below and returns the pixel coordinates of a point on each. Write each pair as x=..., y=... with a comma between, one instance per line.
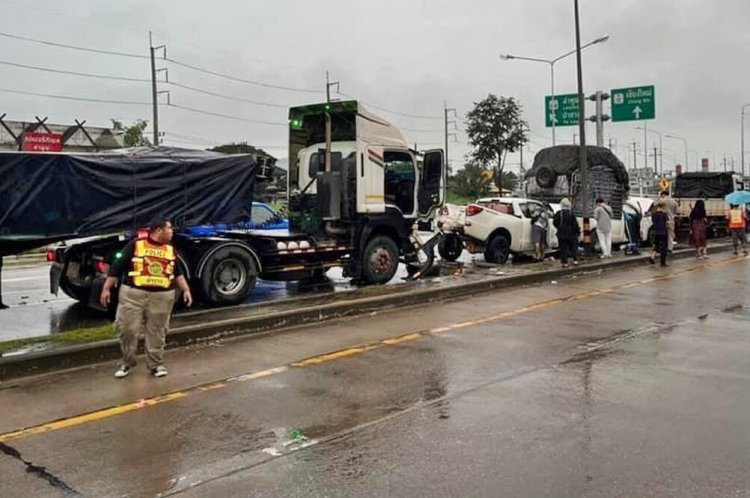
x=356, y=194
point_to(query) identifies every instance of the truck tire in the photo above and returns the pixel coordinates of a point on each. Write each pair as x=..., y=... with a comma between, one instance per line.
x=498, y=250
x=228, y=276
x=78, y=293
x=379, y=260
x=546, y=177
x=450, y=247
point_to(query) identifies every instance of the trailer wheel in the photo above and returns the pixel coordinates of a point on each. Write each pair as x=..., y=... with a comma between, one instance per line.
x=379, y=260
x=76, y=292
x=546, y=177
x=228, y=276
x=450, y=247
x=498, y=250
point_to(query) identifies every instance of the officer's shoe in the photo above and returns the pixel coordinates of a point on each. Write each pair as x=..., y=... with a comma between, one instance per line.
x=160, y=371
x=122, y=372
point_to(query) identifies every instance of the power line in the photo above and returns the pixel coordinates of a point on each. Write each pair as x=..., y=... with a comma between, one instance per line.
x=226, y=116
x=419, y=130
x=80, y=99
x=398, y=113
x=73, y=47
x=240, y=80
x=238, y=99
x=74, y=73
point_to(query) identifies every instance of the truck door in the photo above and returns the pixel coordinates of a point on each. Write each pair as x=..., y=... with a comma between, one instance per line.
x=431, y=183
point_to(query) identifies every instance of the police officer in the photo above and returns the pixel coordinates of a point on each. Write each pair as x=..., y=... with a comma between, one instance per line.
x=149, y=271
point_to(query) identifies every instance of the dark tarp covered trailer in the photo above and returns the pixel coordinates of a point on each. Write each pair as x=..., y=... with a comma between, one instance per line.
x=703, y=185
x=48, y=197
x=555, y=174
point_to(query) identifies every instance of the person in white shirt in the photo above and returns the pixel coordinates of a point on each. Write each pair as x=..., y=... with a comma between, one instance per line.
x=603, y=216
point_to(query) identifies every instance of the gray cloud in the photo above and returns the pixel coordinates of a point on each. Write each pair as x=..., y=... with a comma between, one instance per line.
x=409, y=56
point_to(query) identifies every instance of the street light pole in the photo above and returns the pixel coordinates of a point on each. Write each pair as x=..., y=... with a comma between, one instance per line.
x=742, y=152
x=551, y=63
x=684, y=140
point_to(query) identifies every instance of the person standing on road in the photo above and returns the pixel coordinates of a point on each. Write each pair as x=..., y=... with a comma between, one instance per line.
x=539, y=225
x=737, y=223
x=568, y=231
x=660, y=228
x=149, y=270
x=670, y=207
x=698, y=226
x=603, y=216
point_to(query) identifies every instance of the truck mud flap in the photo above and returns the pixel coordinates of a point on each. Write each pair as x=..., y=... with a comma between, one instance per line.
x=55, y=273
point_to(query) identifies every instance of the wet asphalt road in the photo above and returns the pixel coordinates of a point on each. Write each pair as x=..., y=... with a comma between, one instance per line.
x=632, y=383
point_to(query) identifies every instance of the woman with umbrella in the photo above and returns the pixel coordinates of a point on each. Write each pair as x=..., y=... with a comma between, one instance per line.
x=698, y=225
x=737, y=219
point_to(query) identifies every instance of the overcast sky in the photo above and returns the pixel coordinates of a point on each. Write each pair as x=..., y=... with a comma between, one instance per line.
x=406, y=55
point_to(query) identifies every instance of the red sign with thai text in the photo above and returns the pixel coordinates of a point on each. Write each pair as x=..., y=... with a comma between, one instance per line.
x=42, y=142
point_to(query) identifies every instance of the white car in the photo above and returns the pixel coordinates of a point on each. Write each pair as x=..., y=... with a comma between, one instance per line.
x=501, y=226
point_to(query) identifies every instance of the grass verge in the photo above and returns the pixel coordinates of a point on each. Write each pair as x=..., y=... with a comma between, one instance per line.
x=77, y=336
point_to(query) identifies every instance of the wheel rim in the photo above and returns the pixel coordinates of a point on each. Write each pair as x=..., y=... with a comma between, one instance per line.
x=229, y=276
x=381, y=261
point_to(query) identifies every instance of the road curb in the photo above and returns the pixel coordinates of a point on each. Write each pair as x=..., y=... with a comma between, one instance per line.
x=89, y=353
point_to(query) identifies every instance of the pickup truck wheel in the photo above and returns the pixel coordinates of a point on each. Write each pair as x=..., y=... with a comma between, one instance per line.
x=450, y=247
x=76, y=292
x=498, y=250
x=380, y=260
x=228, y=276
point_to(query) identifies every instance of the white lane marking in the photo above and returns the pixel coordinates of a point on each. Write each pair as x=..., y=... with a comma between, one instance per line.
x=23, y=279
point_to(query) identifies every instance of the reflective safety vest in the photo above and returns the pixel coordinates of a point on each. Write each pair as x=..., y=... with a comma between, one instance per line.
x=736, y=219
x=153, y=264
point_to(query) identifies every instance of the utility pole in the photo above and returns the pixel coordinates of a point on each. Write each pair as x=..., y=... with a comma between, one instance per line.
x=599, y=118
x=446, y=113
x=154, y=91
x=635, y=154
x=645, y=146
x=330, y=84
x=582, y=130
x=725, y=163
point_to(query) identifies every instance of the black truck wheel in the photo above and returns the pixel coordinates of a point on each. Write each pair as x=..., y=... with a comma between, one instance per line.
x=76, y=292
x=498, y=250
x=546, y=177
x=228, y=276
x=379, y=260
x=450, y=247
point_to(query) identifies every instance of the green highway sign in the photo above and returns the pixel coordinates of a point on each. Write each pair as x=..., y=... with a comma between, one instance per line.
x=633, y=104
x=563, y=111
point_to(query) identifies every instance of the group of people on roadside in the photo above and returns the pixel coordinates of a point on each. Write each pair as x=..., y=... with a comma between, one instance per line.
x=663, y=228
x=568, y=231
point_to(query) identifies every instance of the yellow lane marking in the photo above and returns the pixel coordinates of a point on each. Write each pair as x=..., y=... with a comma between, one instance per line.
x=91, y=417
x=317, y=360
x=114, y=411
x=403, y=338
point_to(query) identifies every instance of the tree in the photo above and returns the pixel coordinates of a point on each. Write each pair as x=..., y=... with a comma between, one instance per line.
x=471, y=182
x=510, y=180
x=134, y=136
x=261, y=190
x=495, y=127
